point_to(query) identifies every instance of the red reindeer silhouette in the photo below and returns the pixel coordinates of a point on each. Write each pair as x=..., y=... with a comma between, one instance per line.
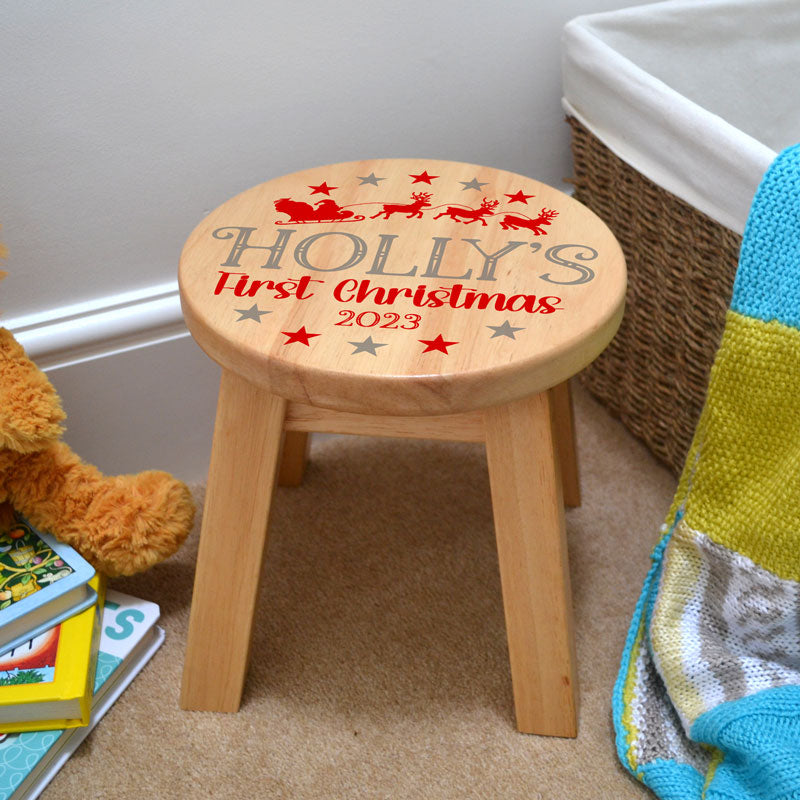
x=471, y=214
x=421, y=199
x=515, y=223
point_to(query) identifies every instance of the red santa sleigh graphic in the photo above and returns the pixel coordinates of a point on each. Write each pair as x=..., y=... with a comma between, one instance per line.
x=301, y=213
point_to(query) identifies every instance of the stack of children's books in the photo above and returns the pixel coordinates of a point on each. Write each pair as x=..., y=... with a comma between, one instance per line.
x=68, y=649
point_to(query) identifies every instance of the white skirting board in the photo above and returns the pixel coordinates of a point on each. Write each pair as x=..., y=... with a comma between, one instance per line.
x=138, y=392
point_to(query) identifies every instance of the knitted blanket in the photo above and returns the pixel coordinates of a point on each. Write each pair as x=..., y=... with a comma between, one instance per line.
x=707, y=701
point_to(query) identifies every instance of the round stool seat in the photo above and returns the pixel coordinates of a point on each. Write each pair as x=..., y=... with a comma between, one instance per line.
x=403, y=286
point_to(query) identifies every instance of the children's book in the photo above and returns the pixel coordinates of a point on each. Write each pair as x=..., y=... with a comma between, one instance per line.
x=42, y=583
x=128, y=640
x=46, y=683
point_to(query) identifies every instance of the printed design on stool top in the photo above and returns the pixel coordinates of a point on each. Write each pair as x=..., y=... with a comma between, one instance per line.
x=422, y=257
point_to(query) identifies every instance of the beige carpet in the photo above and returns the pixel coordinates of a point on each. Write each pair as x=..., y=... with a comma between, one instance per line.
x=379, y=662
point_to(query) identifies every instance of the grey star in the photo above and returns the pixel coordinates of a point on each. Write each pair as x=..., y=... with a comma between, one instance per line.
x=473, y=184
x=251, y=313
x=367, y=346
x=504, y=330
x=370, y=179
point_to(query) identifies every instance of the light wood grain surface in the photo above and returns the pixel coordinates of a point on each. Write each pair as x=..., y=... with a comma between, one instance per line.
x=442, y=286
x=534, y=567
x=244, y=461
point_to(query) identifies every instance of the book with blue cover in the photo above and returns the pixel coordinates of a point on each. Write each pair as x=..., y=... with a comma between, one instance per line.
x=46, y=683
x=42, y=582
x=129, y=638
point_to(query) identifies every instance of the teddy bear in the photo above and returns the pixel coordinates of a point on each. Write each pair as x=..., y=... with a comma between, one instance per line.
x=120, y=524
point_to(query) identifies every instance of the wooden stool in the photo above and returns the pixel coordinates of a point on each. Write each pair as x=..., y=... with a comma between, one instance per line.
x=401, y=297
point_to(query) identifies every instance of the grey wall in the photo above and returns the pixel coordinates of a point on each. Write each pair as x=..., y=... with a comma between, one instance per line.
x=123, y=123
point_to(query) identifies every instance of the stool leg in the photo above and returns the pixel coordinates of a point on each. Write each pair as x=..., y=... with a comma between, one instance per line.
x=564, y=424
x=244, y=459
x=534, y=571
x=296, y=445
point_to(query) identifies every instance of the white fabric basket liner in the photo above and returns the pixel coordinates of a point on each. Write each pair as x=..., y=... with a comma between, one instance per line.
x=699, y=97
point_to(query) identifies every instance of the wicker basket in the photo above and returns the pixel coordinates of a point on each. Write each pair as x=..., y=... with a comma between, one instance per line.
x=681, y=266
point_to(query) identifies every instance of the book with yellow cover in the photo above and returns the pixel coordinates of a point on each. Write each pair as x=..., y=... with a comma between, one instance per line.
x=46, y=682
x=129, y=639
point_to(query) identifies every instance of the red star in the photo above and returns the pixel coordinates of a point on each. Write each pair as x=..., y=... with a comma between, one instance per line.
x=423, y=177
x=323, y=188
x=436, y=344
x=519, y=197
x=301, y=336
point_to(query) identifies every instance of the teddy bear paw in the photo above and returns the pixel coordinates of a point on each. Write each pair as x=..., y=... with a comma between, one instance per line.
x=136, y=521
